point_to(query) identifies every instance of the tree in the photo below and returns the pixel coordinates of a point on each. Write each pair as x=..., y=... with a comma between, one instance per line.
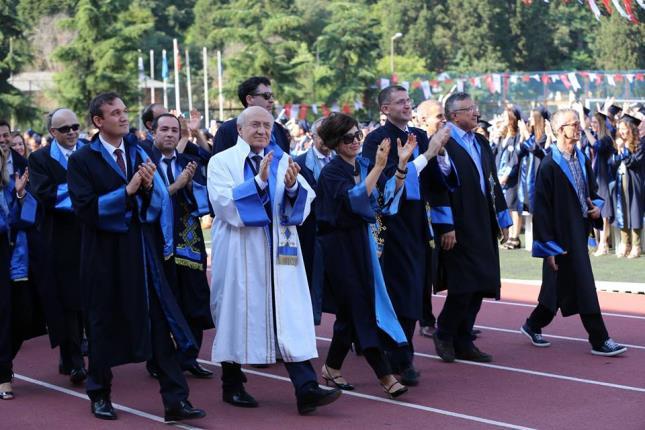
x=619, y=44
x=103, y=55
x=14, y=54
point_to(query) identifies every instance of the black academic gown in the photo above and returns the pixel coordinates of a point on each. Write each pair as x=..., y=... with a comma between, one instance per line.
x=472, y=266
x=343, y=236
x=602, y=152
x=628, y=208
x=558, y=226
x=60, y=232
x=406, y=237
x=188, y=273
x=226, y=136
x=121, y=256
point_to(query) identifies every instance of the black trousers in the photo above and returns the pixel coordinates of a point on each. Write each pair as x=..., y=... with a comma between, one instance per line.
x=70, y=349
x=341, y=343
x=593, y=323
x=189, y=358
x=457, y=318
x=302, y=375
x=174, y=388
x=402, y=357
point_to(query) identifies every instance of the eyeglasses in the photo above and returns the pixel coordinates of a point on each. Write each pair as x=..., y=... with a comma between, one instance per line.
x=472, y=108
x=265, y=96
x=572, y=124
x=66, y=128
x=349, y=138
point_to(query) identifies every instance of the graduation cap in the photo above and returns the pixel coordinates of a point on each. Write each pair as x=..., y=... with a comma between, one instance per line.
x=586, y=110
x=545, y=112
x=484, y=124
x=630, y=119
x=613, y=110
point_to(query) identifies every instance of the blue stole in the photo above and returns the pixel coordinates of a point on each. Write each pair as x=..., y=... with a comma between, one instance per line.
x=476, y=158
x=63, y=201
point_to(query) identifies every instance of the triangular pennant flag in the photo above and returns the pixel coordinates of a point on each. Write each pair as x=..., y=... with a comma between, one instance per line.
x=610, y=80
x=641, y=3
x=497, y=81
x=478, y=82
x=618, y=77
x=514, y=79
x=630, y=77
x=489, y=83
x=287, y=110
x=554, y=78
x=545, y=79
x=526, y=78
x=630, y=12
x=425, y=87
x=314, y=108
x=385, y=83
x=325, y=110
x=607, y=4
x=294, y=111
x=406, y=85
x=303, y=111
x=535, y=77
x=460, y=85
x=574, y=81
x=565, y=81
x=594, y=9
x=358, y=105
x=335, y=107
x=592, y=76
x=394, y=78
x=640, y=76
x=346, y=109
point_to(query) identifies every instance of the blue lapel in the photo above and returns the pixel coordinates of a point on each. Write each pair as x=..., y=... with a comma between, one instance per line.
x=564, y=166
x=57, y=155
x=97, y=146
x=312, y=164
x=277, y=156
x=455, y=135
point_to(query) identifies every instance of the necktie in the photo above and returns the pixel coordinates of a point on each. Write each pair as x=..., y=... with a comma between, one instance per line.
x=119, y=160
x=169, y=175
x=255, y=163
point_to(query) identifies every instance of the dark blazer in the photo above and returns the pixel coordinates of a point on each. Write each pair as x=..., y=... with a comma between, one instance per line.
x=226, y=136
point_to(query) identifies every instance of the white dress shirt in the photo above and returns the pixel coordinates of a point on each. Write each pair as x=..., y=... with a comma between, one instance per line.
x=110, y=149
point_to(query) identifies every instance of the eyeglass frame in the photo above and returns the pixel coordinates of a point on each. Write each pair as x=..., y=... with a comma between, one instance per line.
x=266, y=95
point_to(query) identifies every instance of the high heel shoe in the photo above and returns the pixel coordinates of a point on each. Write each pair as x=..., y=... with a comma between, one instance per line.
x=395, y=389
x=6, y=392
x=334, y=380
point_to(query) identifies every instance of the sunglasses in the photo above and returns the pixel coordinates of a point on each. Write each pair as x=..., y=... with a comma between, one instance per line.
x=265, y=96
x=65, y=129
x=349, y=138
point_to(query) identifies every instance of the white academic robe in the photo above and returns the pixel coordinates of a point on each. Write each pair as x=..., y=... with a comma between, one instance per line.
x=241, y=302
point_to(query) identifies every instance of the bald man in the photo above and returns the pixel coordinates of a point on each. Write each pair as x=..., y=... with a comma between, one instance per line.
x=430, y=116
x=61, y=233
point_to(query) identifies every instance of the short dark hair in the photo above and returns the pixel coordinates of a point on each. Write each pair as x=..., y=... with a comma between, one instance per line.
x=97, y=103
x=334, y=128
x=249, y=86
x=451, y=100
x=155, y=122
x=386, y=93
x=4, y=123
x=148, y=114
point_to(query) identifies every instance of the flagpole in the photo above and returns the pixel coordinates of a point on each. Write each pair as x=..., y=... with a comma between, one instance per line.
x=206, y=113
x=190, y=89
x=175, y=50
x=152, y=76
x=219, y=85
x=164, y=75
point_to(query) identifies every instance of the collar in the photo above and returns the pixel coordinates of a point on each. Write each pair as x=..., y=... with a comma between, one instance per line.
x=319, y=154
x=111, y=148
x=568, y=156
x=406, y=130
x=64, y=150
x=460, y=132
x=173, y=157
x=10, y=158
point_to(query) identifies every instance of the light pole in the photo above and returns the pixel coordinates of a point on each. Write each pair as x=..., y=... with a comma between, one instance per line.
x=392, y=39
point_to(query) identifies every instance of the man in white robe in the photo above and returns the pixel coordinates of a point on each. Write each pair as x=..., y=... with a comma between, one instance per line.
x=259, y=294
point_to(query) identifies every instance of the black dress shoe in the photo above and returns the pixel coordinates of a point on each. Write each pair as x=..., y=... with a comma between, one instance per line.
x=316, y=396
x=152, y=369
x=199, y=372
x=240, y=398
x=185, y=411
x=445, y=349
x=474, y=354
x=102, y=409
x=410, y=377
x=62, y=370
x=78, y=376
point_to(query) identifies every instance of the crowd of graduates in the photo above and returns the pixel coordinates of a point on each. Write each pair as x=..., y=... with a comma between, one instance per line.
x=101, y=243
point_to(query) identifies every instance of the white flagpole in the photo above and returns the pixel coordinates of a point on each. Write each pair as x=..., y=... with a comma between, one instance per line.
x=165, y=80
x=152, y=76
x=175, y=50
x=207, y=121
x=190, y=89
x=219, y=85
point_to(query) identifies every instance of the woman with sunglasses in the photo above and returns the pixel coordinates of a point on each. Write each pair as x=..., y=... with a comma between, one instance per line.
x=349, y=198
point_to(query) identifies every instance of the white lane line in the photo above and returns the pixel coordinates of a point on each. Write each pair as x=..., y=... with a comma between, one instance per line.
x=577, y=339
x=529, y=372
x=528, y=305
x=116, y=405
x=395, y=402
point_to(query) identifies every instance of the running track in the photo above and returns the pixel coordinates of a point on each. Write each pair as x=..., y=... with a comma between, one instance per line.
x=561, y=387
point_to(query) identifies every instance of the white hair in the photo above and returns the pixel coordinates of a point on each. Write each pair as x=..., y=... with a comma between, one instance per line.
x=557, y=120
x=243, y=117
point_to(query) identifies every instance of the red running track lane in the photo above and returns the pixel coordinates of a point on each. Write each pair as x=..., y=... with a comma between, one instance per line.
x=561, y=387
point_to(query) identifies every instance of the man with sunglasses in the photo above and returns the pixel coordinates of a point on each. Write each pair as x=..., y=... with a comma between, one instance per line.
x=255, y=91
x=566, y=208
x=61, y=236
x=406, y=238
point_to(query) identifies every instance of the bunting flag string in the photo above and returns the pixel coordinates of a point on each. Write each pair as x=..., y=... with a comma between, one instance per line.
x=625, y=10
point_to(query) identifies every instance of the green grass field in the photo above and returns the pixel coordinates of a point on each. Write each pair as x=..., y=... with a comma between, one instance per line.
x=518, y=264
